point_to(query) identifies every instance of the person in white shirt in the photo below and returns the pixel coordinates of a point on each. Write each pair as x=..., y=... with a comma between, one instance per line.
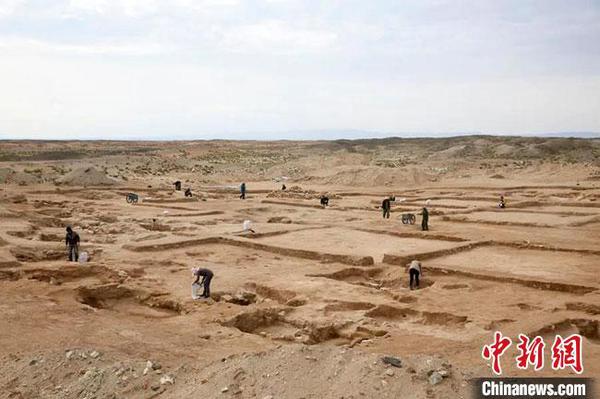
x=414, y=270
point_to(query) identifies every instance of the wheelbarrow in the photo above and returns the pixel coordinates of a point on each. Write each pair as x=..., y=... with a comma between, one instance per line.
x=132, y=198
x=408, y=218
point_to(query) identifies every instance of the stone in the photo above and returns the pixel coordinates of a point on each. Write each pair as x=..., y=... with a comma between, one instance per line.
x=444, y=373
x=69, y=355
x=389, y=372
x=94, y=354
x=224, y=389
x=435, y=378
x=166, y=379
x=392, y=361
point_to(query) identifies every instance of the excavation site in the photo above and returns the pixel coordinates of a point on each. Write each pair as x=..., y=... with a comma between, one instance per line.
x=310, y=294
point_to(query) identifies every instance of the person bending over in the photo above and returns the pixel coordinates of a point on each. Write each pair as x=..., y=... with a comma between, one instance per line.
x=207, y=276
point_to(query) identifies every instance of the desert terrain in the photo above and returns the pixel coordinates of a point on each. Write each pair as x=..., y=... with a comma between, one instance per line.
x=308, y=304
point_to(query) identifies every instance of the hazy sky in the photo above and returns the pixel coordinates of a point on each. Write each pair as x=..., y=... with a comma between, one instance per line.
x=274, y=68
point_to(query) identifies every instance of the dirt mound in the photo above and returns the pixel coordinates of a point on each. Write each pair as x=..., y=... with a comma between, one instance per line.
x=280, y=219
x=585, y=327
x=29, y=254
x=25, y=178
x=337, y=369
x=280, y=295
x=588, y=308
x=297, y=192
x=88, y=176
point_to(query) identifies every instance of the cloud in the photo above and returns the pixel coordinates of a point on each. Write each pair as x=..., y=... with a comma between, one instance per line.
x=32, y=46
x=8, y=7
x=276, y=36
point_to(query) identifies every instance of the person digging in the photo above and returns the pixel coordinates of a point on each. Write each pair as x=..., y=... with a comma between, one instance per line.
x=207, y=276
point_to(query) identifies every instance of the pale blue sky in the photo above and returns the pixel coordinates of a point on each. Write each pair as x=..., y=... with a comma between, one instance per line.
x=276, y=68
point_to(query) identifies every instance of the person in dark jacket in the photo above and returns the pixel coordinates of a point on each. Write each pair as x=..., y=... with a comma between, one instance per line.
x=177, y=185
x=207, y=276
x=386, y=206
x=425, y=220
x=72, y=241
x=324, y=201
x=243, y=191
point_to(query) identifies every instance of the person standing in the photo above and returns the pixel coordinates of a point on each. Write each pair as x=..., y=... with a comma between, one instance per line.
x=425, y=220
x=207, y=276
x=243, y=191
x=386, y=206
x=72, y=241
x=414, y=270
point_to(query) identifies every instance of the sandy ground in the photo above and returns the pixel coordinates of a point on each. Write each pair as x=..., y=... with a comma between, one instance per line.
x=305, y=307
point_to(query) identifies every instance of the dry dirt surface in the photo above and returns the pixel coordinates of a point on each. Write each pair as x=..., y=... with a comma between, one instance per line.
x=315, y=301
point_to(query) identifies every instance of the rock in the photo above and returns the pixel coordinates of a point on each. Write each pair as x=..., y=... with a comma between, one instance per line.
x=224, y=389
x=435, y=378
x=205, y=336
x=166, y=379
x=296, y=302
x=389, y=372
x=392, y=361
x=69, y=355
x=227, y=298
x=156, y=366
x=94, y=354
x=268, y=397
x=155, y=387
x=280, y=219
x=444, y=373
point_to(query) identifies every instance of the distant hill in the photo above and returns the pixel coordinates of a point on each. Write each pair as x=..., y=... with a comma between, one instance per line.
x=580, y=135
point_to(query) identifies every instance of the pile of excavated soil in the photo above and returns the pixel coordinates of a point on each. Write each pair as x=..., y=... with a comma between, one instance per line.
x=297, y=192
x=88, y=176
x=327, y=372
x=11, y=176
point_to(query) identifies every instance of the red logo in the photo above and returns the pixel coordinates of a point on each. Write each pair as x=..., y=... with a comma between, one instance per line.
x=567, y=352
x=495, y=350
x=530, y=352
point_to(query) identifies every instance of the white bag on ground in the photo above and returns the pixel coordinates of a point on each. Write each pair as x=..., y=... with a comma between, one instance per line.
x=247, y=226
x=195, y=288
x=83, y=257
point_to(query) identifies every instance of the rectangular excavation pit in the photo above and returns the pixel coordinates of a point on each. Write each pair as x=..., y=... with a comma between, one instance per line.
x=451, y=203
x=558, y=209
x=354, y=242
x=520, y=218
x=355, y=260
x=552, y=270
